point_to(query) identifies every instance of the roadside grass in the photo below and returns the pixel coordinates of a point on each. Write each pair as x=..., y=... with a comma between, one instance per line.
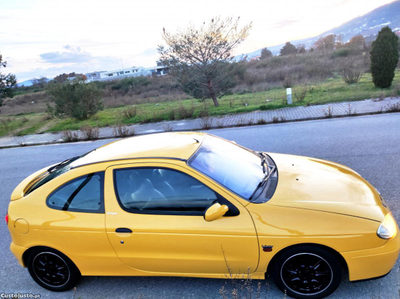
x=328, y=91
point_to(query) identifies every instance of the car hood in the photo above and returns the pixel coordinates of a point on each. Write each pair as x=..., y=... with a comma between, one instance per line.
x=315, y=184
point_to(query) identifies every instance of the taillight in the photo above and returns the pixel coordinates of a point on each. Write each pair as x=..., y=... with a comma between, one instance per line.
x=6, y=218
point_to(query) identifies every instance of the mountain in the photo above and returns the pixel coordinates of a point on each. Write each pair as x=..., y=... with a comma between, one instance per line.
x=25, y=83
x=368, y=25
x=28, y=83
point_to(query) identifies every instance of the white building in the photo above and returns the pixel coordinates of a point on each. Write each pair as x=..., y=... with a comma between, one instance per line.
x=127, y=72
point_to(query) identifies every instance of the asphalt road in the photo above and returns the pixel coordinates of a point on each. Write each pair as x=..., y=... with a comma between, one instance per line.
x=368, y=144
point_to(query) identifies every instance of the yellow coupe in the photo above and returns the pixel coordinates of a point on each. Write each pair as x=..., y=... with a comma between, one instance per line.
x=192, y=204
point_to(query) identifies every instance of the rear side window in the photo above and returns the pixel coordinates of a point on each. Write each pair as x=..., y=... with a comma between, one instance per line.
x=83, y=194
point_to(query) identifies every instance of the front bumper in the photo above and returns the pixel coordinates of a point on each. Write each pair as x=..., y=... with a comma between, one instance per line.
x=372, y=263
x=18, y=252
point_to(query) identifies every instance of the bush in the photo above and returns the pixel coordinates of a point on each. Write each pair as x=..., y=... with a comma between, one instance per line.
x=69, y=136
x=300, y=92
x=123, y=131
x=384, y=57
x=129, y=112
x=351, y=72
x=185, y=112
x=130, y=83
x=75, y=99
x=341, y=53
x=90, y=133
x=206, y=122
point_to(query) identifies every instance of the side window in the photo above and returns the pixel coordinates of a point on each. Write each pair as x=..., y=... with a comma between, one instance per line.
x=83, y=194
x=162, y=191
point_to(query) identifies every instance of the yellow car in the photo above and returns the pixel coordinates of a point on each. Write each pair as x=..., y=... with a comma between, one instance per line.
x=192, y=204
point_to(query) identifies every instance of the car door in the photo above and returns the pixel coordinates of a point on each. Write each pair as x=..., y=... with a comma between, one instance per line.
x=155, y=222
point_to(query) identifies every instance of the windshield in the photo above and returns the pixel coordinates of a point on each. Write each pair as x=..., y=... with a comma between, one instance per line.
x=230, y=165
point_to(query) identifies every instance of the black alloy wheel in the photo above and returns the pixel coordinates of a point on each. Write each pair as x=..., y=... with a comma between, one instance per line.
x=52, y=270
x=307, y=272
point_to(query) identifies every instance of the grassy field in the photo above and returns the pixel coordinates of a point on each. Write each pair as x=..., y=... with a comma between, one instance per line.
x=328, y=91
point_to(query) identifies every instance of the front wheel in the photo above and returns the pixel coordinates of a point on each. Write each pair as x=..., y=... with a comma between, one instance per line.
x=307, y=272
x=52, y=269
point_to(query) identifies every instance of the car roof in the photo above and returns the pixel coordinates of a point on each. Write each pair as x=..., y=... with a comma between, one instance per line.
x=177, y=145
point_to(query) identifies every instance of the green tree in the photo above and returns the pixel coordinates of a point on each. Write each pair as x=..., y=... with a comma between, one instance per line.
x=384, y=57
x=302, y=50
x=75, y=99
x=199, y=55
x=7, y=82
x=288, y=49
x=265, y=53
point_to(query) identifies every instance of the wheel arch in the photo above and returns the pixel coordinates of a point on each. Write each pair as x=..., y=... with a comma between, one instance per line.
x=29, y=251
x=340, y=258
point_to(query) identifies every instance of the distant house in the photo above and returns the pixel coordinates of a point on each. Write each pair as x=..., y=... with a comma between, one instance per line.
x=158, y=70
x=94, y=76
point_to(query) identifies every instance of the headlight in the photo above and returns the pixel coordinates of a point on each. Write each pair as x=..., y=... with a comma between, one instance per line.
x=388, y=228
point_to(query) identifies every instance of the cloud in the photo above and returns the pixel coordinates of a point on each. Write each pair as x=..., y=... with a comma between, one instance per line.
x=283, y=24
x=74, y=59
x=68, y=55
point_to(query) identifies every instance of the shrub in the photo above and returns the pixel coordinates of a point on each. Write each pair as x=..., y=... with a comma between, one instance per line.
x=329, y=112
x=341, y=53
x=204, y=111
x=288, y=82
x=90, y=133
x=75, y=99
x=185, y=112
x=351, y=72
x=130, y=112
x=393, y=108
x=300, y=92
x=171, y=114
x=384, y=57
x=69, y=136
x=123, y=131
x=261, y=121
x=206, y=122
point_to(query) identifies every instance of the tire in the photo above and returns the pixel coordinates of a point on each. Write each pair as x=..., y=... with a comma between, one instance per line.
x=307, y=272
x=52, y=270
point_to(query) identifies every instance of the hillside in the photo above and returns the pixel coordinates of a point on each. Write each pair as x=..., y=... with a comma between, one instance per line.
x=368, y=25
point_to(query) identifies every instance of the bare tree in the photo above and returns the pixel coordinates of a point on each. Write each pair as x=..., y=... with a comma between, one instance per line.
x=202, y=54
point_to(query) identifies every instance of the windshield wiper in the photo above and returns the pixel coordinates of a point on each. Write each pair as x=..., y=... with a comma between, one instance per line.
x=264, y=162
x=268, y=169
x=59, y=165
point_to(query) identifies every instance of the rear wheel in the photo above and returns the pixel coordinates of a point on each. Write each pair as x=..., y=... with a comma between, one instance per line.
x=52, y=269
x=307, y=272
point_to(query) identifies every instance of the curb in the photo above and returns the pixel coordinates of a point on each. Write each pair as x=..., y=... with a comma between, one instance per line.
x=200, y=129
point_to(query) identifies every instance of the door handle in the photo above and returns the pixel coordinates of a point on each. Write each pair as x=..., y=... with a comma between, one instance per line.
x=123, y=230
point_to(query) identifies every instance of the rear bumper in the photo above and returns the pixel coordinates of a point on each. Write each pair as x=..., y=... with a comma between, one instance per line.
x=372, y=263
x=18, y=252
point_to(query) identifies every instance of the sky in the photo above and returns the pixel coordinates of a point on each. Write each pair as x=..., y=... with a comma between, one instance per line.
x=50, y=37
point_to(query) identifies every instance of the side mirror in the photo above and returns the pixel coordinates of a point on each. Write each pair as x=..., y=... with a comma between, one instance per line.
x=215, y=211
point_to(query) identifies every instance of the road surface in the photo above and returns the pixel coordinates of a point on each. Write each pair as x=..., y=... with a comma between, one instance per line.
x=368, y=144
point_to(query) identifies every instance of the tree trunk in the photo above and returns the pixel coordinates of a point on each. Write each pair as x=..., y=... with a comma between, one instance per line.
x=212, y=93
